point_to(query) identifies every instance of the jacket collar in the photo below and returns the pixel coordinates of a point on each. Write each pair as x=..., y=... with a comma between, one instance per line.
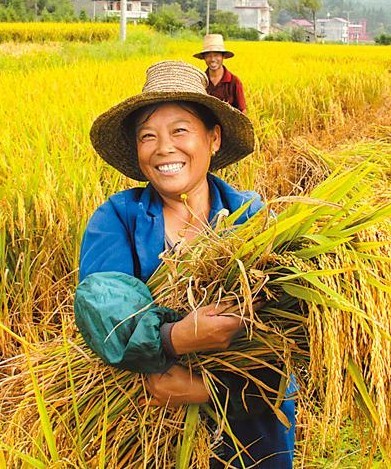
x=149, y=224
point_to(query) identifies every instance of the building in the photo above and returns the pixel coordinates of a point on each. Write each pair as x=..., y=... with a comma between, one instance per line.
x=307, y=28
x=251, y=13
x=300, y=23
x=333, y=30
x=358, y=31
x=136, y=9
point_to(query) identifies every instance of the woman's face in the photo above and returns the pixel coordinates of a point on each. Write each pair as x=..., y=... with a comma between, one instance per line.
x=174, y=150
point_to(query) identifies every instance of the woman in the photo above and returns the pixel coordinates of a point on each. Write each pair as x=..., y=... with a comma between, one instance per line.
x=172, y=135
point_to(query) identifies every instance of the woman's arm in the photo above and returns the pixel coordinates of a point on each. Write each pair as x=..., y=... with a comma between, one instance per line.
x=119, y=321
x=205, y=329
x=114, y=310
x=106, y=244
x=177, y=386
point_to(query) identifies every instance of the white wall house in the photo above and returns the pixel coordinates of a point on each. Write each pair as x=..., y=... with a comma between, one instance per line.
x=333, y=30
x=136, y=9
x=251, y=13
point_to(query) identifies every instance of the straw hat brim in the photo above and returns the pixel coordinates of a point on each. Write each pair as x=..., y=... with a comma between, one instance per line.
x=227, y=54
x=114, y=143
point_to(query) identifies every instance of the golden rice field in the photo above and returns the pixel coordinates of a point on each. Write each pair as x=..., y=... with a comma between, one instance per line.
x=315, y=109
x=43, y=32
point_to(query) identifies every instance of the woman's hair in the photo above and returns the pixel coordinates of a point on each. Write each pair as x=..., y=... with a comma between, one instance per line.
x=140, y=116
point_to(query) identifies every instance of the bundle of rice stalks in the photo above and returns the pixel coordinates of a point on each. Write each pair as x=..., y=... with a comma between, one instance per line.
x=332, y=253
x=312, y=286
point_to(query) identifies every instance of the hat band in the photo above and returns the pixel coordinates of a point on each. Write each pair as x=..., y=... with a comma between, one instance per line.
x=172, y=77
x=215, y=49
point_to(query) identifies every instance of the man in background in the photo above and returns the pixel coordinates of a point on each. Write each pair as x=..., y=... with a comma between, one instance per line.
x=222, y=83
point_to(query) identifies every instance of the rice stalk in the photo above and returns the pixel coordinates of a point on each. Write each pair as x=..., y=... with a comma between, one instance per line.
x=186, y=445
x=25, y=458
x=43, y=414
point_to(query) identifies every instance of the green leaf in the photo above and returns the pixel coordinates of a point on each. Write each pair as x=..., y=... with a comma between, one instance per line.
x=186, y=448
x=44, y=417
x=309, y=295
x=358, y=380
x=326, y=246
x=32, y=462
x=102, y=448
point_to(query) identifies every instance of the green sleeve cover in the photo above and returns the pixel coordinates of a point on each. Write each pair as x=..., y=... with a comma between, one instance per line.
x=119, y=321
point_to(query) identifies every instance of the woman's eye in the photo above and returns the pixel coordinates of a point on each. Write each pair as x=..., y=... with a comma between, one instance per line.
x=146, y=137
x=180, y=130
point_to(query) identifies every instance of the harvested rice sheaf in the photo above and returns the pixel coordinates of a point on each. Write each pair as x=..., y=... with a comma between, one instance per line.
x=331, y=253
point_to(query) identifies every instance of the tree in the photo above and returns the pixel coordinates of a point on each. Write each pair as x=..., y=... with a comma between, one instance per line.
x=228, y=18
x=16, y=10
x=168, y=19
x=307, y=9
x=28, y=10
x=60, y=10
x=383, y=39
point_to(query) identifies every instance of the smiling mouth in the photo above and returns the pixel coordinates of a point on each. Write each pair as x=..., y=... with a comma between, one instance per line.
x=170, y=168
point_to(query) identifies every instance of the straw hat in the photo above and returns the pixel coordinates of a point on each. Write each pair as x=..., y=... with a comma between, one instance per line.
x=214, y=43
x=169, y=81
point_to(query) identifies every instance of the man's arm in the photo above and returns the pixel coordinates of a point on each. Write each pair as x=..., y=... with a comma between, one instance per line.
x=240, y=100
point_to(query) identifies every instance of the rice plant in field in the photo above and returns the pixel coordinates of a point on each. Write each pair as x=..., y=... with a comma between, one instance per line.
x=49, y=32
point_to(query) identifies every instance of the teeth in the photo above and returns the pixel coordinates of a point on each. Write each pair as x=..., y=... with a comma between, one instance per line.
x=170, y=168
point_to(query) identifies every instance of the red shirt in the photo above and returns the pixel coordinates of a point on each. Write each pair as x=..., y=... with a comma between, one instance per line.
x=228, y=89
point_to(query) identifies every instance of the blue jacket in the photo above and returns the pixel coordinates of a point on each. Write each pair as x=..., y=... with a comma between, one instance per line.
x=119, y=252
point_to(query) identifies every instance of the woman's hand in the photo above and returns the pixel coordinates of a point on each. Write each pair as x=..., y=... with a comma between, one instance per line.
x=206, y=329
x=176, y=387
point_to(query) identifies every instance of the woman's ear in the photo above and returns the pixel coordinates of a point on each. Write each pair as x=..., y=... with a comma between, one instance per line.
x=216, y=138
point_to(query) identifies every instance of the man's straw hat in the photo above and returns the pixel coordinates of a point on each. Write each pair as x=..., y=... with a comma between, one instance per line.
x=168, y=81
x=214, y=43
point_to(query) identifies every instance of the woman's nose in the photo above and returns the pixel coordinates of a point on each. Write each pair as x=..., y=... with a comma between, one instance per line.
x=165, y=146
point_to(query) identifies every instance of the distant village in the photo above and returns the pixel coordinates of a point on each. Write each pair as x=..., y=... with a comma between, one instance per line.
x=255, y=14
